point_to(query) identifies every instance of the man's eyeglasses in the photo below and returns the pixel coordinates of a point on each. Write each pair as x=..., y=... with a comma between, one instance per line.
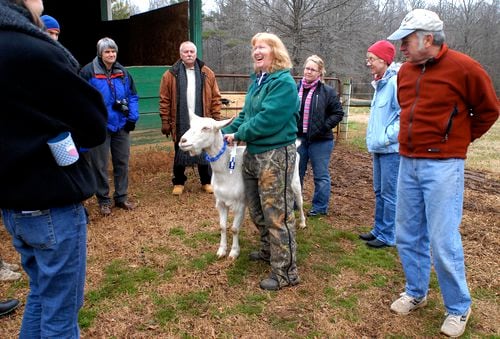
x=311, y=69
x=371, y=60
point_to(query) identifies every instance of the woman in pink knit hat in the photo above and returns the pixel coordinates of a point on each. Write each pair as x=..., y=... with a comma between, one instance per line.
x=382, y=142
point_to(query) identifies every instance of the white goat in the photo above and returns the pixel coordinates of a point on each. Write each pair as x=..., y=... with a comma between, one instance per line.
x=205, y=135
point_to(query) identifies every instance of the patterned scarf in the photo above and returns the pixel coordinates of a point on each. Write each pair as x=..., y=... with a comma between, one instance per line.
x=307, y=105
x=181, y=157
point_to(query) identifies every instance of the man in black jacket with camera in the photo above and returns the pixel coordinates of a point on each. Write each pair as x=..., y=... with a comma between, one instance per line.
x=120, y=96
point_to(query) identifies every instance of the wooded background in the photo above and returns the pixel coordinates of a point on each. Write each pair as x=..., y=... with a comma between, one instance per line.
x=340, y=31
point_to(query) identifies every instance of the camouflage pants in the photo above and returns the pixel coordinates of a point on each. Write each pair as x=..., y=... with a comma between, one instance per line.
x=269, y=196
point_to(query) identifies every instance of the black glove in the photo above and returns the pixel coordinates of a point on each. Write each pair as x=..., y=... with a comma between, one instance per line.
x=129, y=126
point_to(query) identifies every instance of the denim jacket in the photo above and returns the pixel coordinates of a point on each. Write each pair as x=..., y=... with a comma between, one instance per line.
x=383, y=124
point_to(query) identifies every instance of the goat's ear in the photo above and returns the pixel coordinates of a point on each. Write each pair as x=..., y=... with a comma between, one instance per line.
x=223, y=123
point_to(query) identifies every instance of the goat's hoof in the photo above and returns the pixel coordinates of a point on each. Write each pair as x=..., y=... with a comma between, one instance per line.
x=233, y=255
x=302, y=226
x=221, y=254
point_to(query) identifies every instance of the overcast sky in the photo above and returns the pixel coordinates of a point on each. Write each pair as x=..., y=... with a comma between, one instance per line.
x=144, y=5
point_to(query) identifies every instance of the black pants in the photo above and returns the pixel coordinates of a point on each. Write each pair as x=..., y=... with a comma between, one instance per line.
x=180, y=178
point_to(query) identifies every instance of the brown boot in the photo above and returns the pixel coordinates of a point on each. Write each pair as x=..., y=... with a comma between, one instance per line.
x=207, y=188
x=178, y=189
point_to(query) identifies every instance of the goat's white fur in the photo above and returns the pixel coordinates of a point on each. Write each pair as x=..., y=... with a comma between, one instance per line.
x=205, y=135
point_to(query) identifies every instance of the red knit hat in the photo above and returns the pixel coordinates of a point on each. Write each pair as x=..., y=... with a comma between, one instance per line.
x=384, y=50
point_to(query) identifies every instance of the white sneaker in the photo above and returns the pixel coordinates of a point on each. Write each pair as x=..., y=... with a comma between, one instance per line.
x=405, y=304
x=8, y=275
x=454, y=325
x=12, y=267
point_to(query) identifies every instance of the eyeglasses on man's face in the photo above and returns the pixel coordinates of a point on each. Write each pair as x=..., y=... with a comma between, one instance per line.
x=309, y=69
x=371, y=60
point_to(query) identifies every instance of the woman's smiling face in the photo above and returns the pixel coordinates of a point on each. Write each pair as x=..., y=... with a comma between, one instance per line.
x=262, y=56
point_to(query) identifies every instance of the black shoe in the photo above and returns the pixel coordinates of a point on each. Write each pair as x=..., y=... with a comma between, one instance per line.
x=367, y=236
x=8, y=306
x=269, y=284
x=126, y=205
x=105, y=209
x=313, y=213
x=272, y=284
x=376, y=243
x=256, y=256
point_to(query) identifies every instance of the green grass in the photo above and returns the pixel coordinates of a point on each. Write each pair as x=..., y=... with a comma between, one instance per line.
x=238, y=271
x=118, y=280
x=177, y=232
x=320, y=251
x=252, y=305
x=169, y=309
x=147, y=137
x=319, y=241
x=377, y=270
x=202, y=262
x=483, y=154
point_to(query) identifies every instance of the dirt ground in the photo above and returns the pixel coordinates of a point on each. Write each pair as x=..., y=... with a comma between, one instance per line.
x=144, y=237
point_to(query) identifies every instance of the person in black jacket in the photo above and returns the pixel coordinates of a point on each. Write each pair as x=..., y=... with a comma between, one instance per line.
x=320, y=112
x=41, y=201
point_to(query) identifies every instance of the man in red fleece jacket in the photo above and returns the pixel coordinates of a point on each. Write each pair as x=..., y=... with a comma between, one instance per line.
x=447, y=101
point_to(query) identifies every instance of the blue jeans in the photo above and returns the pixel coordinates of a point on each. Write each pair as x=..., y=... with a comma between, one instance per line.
x=119, y=144
x=385, y=179
x=52, y=245
x=428, y=216
x=319, y=153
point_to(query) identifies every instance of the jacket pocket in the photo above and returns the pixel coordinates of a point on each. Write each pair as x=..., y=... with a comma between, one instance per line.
x=449, y=124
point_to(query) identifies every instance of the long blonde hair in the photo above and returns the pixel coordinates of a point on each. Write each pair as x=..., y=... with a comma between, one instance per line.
x=281, y=59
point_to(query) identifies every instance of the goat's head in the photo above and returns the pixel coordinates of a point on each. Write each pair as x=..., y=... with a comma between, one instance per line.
x=203, y=133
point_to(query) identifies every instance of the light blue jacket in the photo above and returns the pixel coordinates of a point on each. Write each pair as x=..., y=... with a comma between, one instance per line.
x=383, y=124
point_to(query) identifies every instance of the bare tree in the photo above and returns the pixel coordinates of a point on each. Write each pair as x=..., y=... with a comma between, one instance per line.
x=227, y=36
x=300, y=23
x=123, y=9
x=154, y=4
x=340, y=31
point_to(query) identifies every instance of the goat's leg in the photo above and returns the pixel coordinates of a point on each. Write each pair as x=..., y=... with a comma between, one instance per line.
x=223, y=212
x=300, y=205
x=297, y=192
x=239, y=215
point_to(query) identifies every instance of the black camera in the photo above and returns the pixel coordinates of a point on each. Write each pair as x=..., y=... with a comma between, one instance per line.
x=121, y=106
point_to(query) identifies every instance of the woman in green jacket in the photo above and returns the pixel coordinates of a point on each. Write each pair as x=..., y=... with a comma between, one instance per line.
x=268, y=125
